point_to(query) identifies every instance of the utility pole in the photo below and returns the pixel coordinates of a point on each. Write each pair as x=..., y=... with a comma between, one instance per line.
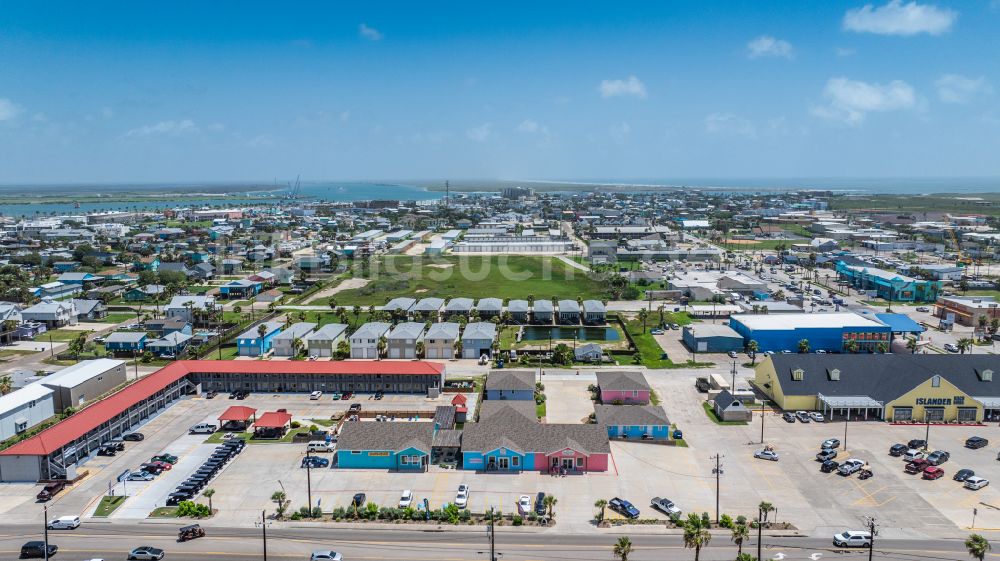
x=309, y=488
x=263, y=529
x=760, y=529
x=718, y=472
x=733, y=387
x=872, y=531
x=845, y=431
x=45, y=521
x=927, y=433
x=491, y=534
x=762, y=422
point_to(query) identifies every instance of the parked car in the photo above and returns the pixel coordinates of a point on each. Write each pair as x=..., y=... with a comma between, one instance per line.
x=146, y=552
x=140, y=476
x=540, y=504
x=897, y=449
x=850, y=466
x=64, y=523
x=853, y=538
x=938, y=457
x=106, y=451
x=211, y=394
x=164, y=466
x=315, y=462
x=916, y=466
x=963, y=474
x=524, y=505
x=975, y=483
x=923, y=309
x=766, y=454
x=917, y=443
x=951, y=347
x=913, y=454
x=315, y=395
x=666, y=506
x=802, y=416
x=50, y=490
x=623, y=507
x=826, y=454
x=37, y=549
x=830, y=443
x=788, y=416
x=933, y=472
x=828, y=466
x=325, y=556
x=817, y=416
x=732, y=354
x=462, y=497
x=168, y=458
x=133, y=436
x=406, y=499
x=202, y=428
x=335, y=396
x=976, y=442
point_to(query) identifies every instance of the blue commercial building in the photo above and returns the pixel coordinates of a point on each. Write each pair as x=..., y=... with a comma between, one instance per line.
x=393, y=446
x=888, y=284
x=828, y=332
x=634, y=422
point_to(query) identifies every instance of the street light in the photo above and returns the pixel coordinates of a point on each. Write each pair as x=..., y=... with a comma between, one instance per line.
x=45, y=522
x=263, y=529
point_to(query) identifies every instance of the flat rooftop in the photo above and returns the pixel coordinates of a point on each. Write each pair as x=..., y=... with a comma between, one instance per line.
x=804, y=321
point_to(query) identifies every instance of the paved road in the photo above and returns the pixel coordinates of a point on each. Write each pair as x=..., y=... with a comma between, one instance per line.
x=111, y=541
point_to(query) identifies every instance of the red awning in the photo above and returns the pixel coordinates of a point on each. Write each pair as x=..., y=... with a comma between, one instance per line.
x=238, y=413
x=273, y=420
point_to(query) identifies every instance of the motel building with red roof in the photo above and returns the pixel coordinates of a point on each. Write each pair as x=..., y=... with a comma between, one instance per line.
x=57, y=452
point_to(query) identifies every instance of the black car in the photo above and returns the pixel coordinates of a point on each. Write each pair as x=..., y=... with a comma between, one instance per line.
x=118, y=445
x=917, y=444
x=938, y=457
x=963, y=474
x=106, y=451
x=315, y=462
x=540, y=504
x=975, y=442
x=133, y=436
x=623, y=507
x=37, y=549
x=358, y=500
x=788, y=417
x=897, y=449
x=211, y=394
x=173, y=499
x=379, y=395
x=151, y=468
x=829, y=466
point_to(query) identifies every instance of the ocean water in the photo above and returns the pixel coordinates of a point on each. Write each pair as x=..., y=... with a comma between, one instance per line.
x=858, y=185
x=207, y=196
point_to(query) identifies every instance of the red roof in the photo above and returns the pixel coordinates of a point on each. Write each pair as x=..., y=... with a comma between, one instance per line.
x=273, y=420
x=98, y=412
x=459, y=399
x=238, y=413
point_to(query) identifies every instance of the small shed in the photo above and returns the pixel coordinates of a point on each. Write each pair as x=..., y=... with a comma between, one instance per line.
x=728, y=408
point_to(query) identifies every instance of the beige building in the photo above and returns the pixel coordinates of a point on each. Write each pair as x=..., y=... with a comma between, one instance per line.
x=85, y=382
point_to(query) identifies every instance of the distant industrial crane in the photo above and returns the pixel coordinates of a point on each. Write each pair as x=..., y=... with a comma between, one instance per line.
x=293, y=190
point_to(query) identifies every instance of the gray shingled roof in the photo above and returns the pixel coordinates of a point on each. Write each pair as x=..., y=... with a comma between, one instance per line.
x=403, y=304
x=631, y=415
x=459, y=305
x=371, y=330
x=428, y=305
x=510, y=380
x=542, y=306
x=883, y=377
x=328, y=332
x=514, y=431
x=517, y=306
x=448, y=438
x=568, y=307
x=444, y=416
x=406, y=330
x=444, y=330
x=480, y=330
x=490, y=304
x=593, y=306
x=391, y=436
x=489, y=408
x=621, y=380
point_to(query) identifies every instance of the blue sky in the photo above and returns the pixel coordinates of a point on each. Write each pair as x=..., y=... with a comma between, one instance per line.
x=222, y=91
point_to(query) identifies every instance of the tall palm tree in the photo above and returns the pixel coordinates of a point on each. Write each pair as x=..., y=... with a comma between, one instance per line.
x=741, y=533
x=381, y=345
x=911, y=344
x=696, y=534
x=752, y=348
x=978, y=546
x=964, y=344
x=623, y=548
x=207, y=493
x=550, y=502
x=643, y=315
x=6, y=383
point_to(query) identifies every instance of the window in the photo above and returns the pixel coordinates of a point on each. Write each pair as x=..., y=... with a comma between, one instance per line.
x=579, y=462
x=797, y=374
x=358, y=452
x=635, y=393
x=936, y=382
x=20, y=426
x=515, y=461
x=404, y=460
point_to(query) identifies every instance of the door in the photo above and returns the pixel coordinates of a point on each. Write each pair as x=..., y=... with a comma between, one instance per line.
x=567, y=463
x=503, y=463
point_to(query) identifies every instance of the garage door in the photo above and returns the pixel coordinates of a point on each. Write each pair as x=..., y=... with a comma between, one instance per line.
x=369, y=353
x=446, y=353
x=432, y=353
x=393, y=353
x=408, y=353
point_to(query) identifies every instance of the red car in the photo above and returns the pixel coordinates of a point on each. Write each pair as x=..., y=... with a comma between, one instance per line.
x=165, y=466
x=916, y=466
x=933, y=472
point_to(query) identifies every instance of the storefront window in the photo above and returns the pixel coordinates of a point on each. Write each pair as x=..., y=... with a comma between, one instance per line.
x=967, y=414
x=932, y=414
x=902, y=414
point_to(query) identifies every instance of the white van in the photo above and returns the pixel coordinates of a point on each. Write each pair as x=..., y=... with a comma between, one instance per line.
x=319, y=446
x=316, y=395
x=202, y=428
x=65, y=523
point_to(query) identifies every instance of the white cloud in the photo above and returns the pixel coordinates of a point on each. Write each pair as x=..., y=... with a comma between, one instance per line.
x=848, y=101
x=729, y=124
x=8, y=109
x=164, y=128
x=954, y=88
x=897, y=18
x=767, y=46
x=530, y=126
x=482, y=133
x=369, y=33
x=631, y=86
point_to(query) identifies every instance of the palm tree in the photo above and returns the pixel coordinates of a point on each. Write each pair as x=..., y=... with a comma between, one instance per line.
x=550, y=501
x=419, y=349
x=804, y=346
x=279, y=499
x=741, y=533
x=297, y=345
x=964, y=344
x=238, y=309
x=911, y=344
x=765, y=507
x=207, y=493
x=851, y=346
x=696, y=534
x=356, y=311
x=381, y=345
x=458, y=348
x=978, y=546
x=6, y=383
x=752, y=348
x=643, y=315
x=622, y=549
x=600, y=505
x=262, y=330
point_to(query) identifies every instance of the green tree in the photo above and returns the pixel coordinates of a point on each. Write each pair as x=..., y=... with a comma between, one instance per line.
x=741, y=533
x=6, y=383
x=380, y=346
x=696, y=534
x=804, y=346
x=622, y=549
x=964, y=344
x=851, y=346
x=911, y=344
x=752, y=348
x=765, y=508
x=550, y=502
x=207, y=493
x=419, y=349
x=978, y=546
x=297, y=346
x=343, y=349
x=238, y=309
x=600, y=505
x=261, y=330
x=643, y=315
x=280, y=500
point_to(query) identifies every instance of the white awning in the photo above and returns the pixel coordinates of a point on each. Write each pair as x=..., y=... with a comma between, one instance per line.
x=852, y=402
x=989, y=402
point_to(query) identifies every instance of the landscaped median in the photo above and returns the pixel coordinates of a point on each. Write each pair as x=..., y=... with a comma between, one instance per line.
x=450, y=514
x=108, y=505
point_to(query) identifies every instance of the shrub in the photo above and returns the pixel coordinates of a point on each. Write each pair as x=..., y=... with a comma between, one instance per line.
x=190, y=508
x=296, y=516
x=726, y=521
x=466, y=515
x=317, y=512
x=532, y=517
x=296, y=424
x=705, y=519
x=676, y=519
x=313, y=428
x=339, y=513
x=517, y=520
x=741, y=519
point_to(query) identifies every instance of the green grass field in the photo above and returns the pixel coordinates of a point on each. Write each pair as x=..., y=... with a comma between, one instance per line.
x=650, y=351
x=108, y=505
x=473, y=277
x=917, y=204
x=60, y=335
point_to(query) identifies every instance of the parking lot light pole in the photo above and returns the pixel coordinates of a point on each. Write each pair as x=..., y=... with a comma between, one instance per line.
x=45, y=522
x=845, y=433
x=760, y=526
x=263, y=529
x=762, y=422
x=927, y=433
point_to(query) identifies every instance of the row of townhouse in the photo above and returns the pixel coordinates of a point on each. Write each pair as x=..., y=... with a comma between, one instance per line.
x=521, y=311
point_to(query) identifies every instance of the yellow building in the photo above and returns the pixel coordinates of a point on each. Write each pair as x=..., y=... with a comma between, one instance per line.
x=902, y=387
